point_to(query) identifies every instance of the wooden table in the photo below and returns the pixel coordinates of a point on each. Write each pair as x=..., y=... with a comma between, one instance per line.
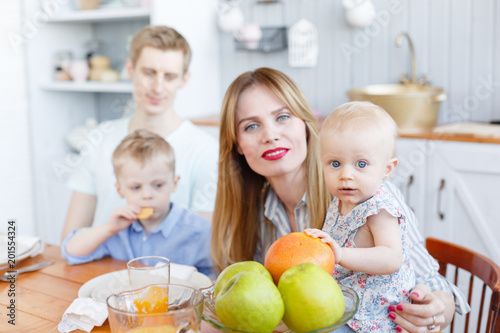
x=43, y=296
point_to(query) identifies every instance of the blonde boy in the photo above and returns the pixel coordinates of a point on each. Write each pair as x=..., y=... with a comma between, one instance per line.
x=144, y=166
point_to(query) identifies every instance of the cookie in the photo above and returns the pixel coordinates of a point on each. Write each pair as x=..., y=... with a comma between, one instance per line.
x=145, y=213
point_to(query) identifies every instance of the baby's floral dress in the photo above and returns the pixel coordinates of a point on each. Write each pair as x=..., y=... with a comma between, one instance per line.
x=376, y=292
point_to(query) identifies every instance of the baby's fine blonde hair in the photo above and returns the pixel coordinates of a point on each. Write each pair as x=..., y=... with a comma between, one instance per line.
x=143, y=146
x=351, y=115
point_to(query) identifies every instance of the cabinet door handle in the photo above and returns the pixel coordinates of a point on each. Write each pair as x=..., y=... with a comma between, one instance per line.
x=440, y=191
x=407, y=194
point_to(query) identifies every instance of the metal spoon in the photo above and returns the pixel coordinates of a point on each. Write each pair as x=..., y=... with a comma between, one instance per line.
x=12, y=275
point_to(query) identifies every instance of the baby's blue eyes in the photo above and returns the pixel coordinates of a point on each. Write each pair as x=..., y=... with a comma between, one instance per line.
x=335, y=164
x=361, y=164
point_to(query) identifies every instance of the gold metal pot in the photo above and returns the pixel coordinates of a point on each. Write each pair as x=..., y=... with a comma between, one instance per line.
x=412, y=106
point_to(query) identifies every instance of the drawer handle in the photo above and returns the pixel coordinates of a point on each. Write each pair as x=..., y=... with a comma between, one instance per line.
x=440, y=191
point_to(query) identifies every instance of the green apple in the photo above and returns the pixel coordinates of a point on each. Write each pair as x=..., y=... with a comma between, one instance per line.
x=230, y=271
x=250, y=302
x=312, y=298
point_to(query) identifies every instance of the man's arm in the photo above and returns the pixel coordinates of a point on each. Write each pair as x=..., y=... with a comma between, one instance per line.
x=80, y=212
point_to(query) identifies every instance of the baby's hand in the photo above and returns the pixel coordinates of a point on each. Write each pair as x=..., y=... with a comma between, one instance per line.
x=325, y=238
x=122, y=217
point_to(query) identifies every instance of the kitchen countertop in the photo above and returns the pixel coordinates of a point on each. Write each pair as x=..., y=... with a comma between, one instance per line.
x=463, y=132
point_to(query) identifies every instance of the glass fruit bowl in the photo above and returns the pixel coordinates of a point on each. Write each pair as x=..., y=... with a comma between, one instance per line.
x=351, y=299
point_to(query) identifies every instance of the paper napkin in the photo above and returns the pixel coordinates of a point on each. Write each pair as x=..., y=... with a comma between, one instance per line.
x=84, y=313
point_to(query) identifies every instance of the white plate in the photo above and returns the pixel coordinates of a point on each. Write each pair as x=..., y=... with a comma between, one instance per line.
x=25, y=247
x=100, y=287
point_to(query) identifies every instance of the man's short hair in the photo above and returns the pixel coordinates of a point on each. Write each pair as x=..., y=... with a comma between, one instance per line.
x=160, y=37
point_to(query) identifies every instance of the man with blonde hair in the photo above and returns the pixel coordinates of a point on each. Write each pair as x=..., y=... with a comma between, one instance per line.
x=158, y=66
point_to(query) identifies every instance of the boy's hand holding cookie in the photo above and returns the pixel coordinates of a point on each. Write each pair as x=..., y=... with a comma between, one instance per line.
x=122, y=217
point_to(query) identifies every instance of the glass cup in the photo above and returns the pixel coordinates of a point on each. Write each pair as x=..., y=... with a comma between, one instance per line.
x=127, y=310
x=143, y=271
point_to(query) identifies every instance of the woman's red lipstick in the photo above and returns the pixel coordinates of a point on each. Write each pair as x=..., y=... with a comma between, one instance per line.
x=274, y=154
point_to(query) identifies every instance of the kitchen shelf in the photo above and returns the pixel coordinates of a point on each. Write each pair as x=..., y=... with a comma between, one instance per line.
x=106, y=14
x=89, y=86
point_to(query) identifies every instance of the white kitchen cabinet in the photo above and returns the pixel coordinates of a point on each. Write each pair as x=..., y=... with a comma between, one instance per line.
x=409, y=175
x=57, y=107
x=462, y=188
x=453, y=187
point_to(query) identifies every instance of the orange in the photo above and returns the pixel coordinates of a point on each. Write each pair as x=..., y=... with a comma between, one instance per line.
x=155, y=301
x=297, y=248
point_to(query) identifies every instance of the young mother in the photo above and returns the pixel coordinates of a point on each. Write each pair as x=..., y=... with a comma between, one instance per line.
x=270, y=183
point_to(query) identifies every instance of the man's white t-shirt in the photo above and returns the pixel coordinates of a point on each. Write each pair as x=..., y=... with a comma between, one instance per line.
x=196, y=156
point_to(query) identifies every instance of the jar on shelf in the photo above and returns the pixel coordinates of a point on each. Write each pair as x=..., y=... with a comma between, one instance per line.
x=62, y=63
x=88, y=4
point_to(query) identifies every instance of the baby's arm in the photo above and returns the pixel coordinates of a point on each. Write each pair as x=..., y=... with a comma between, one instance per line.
x=384, y=257
x=325, y=238
x=86, y=241
x=386, y=254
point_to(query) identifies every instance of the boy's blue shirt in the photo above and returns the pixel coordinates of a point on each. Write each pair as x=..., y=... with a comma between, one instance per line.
x=183, y=237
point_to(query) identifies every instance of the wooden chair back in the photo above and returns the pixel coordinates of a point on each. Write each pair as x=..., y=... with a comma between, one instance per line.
x=478, y=266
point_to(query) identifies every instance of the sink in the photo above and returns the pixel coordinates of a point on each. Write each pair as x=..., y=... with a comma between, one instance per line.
x=412, y=106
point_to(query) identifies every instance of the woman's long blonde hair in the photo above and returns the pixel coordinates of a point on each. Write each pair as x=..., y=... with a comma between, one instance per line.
x=235, y=230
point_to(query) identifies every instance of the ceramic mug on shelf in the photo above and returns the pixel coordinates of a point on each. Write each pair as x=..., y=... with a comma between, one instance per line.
x=79, y=70
x=249, y=34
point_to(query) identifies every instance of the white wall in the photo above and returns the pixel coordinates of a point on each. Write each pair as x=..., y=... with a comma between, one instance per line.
x=16, y=194
x=196, y=21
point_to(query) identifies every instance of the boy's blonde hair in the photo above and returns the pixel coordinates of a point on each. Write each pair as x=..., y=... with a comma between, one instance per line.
x=349, y=115
x=143, y=146
x=160, y=37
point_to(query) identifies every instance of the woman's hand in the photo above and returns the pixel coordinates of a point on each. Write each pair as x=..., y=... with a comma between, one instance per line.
x=428, y=312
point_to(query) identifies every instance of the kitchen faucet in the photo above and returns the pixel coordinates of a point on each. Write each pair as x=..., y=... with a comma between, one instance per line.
x=404, y=78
